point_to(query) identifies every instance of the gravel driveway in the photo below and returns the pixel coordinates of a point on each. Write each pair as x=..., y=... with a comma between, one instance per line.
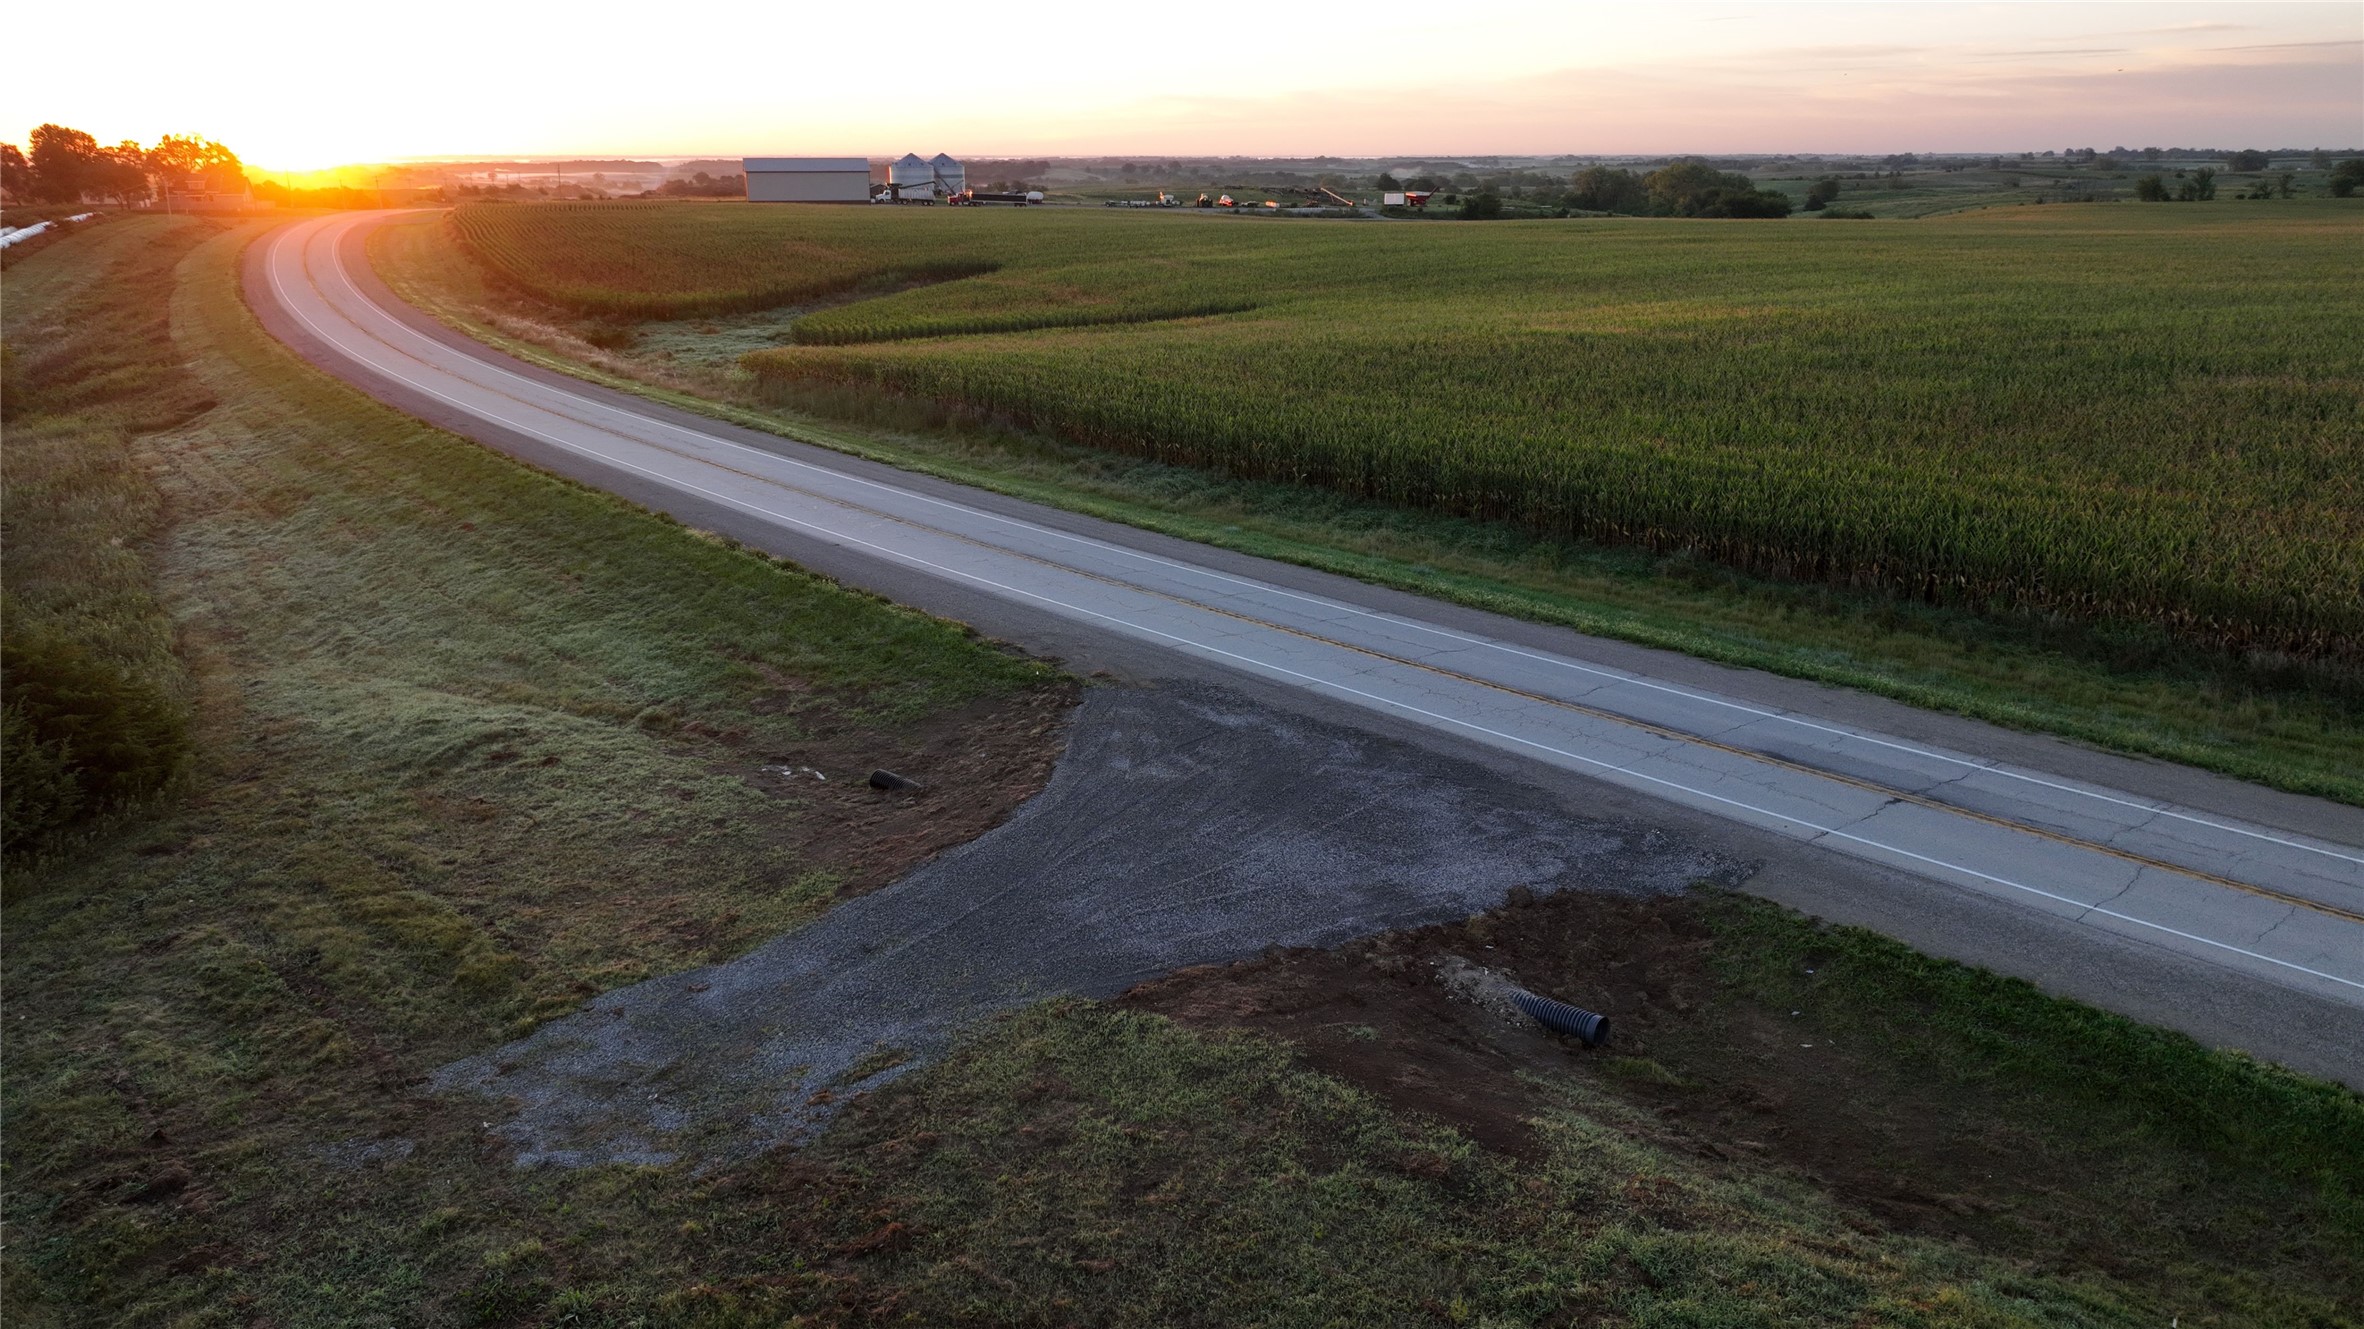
x=1185, y=825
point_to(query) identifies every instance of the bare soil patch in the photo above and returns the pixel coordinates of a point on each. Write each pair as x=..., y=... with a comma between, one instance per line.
x=1720, y=1076
x=1183, y=824
x=973, y=764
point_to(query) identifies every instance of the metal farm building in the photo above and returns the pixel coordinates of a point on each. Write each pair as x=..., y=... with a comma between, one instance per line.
x=807, y=179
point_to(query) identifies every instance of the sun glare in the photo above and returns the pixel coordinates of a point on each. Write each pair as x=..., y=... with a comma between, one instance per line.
x=316, y=90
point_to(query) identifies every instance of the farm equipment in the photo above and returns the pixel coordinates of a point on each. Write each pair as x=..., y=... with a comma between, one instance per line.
x=929, y=193
x=1163, y=200
x=1318, y=195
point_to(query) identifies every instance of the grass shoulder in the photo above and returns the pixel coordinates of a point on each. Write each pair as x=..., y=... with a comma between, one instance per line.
x=1795, y=1125
x=472, y=743
x=2287, y=723
x=2084, y=1168
x=98, y=710
x=457, y=745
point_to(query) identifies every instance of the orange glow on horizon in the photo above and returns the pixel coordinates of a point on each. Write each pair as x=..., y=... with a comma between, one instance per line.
x=294, y=89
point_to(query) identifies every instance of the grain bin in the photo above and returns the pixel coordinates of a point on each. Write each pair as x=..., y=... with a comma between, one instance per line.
x=909, y=176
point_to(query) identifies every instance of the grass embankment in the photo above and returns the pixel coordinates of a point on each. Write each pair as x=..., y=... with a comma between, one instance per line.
x=2053, y=1163
x=1921, y=354
x=471, y=744
x=97, y=711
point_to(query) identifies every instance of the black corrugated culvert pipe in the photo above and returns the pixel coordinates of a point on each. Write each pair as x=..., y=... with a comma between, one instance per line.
x=1560, y=1017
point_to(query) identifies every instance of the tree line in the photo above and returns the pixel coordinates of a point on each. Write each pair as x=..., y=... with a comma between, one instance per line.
x=1685, y=188
x=2345, y=179
x=1682, y=189
x=69, y=166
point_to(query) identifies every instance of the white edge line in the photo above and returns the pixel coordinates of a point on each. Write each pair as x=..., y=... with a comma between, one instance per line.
x=1615, y=676
x=1780, y=819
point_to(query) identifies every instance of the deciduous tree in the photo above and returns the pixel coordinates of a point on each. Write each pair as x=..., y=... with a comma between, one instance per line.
x=186, y=161
x=1607, y=189
x=65, y=163
x=122, y=174
x=1484, y=206
x=1695, y=189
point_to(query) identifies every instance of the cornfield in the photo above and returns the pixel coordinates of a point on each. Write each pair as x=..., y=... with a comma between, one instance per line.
x=2151, y=414
x=735, y=262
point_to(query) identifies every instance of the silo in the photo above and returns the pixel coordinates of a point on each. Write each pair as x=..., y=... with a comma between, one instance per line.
x=909, y=176
x=951, y=177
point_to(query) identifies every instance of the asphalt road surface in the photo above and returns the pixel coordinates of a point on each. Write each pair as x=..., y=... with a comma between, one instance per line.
x=2230, y=911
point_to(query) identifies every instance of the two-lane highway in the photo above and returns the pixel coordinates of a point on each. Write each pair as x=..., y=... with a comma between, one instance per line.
x=2266, y=894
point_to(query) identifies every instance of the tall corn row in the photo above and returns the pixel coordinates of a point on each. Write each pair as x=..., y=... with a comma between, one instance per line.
x=2103, y=416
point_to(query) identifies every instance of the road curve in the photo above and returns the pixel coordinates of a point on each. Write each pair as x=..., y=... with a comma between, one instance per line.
x=2255, y=893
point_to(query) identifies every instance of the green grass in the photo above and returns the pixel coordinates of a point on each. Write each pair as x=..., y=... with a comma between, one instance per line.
x=2259, y=1159
x=1927, y=192
x=97, y=714
x=2016, y=408
x=1101, y=1167
x=738, y=263
x=470, y=744
x=2278, y=720
x=1078, y=1164
x=1166, y=1178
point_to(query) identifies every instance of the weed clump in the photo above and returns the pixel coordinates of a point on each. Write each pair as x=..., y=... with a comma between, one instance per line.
x=78, y=735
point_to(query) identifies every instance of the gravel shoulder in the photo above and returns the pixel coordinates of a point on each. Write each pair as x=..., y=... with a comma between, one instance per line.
x=1186, y=825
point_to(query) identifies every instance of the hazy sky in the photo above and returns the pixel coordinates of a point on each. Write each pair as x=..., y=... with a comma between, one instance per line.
x=296, y=85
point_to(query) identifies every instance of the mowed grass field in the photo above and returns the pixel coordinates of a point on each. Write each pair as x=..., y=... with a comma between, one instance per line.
x=403, y=748
x=2130, y=412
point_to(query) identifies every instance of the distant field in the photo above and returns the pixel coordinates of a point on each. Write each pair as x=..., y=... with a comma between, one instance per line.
x=2108, y=410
